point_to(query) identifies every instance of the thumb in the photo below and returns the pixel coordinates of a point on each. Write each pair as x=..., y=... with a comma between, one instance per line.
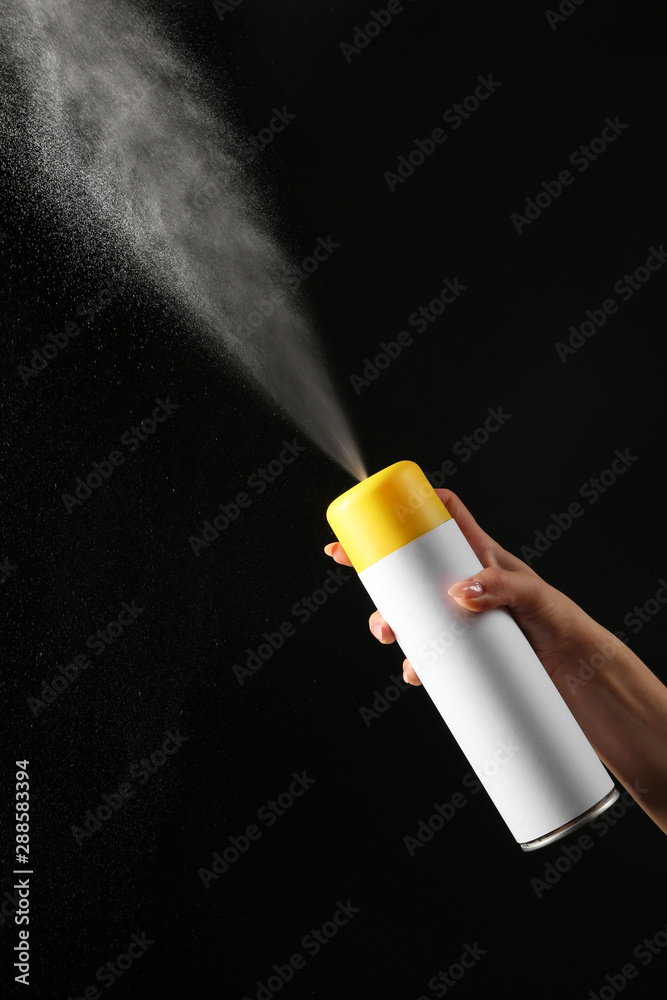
x=522, y=591
x=550, y=621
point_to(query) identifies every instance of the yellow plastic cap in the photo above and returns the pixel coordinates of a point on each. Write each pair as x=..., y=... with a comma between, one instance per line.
x=384, y=512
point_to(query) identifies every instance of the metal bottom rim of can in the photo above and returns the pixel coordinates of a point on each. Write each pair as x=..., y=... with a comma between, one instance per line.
x=574, y=824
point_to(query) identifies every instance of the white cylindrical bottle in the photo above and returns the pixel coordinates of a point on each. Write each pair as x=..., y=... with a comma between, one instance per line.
x=483, y=675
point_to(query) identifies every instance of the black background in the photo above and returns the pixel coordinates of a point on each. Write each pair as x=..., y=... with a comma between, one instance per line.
x=173, y=669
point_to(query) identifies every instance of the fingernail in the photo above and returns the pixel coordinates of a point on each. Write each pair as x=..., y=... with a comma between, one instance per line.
x=466, y=588
x=405, y=677
x=379, y=630
x=329, y=548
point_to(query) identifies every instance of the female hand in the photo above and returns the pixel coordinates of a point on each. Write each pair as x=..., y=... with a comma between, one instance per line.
x=617, y=700
x=555, y=626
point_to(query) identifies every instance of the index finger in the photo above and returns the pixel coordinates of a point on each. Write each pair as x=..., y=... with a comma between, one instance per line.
x=338, y=553
x=479, y=541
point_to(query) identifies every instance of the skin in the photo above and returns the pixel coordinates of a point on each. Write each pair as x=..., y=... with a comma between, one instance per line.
x=619, y=703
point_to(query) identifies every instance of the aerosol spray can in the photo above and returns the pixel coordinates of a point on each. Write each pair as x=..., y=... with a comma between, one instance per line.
x=483, y=675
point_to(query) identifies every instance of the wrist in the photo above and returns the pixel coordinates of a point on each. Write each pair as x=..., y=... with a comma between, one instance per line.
x=573, y=645
x=589, y=649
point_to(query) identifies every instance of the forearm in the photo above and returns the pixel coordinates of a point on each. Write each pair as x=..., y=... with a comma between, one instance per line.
x=622, y=708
